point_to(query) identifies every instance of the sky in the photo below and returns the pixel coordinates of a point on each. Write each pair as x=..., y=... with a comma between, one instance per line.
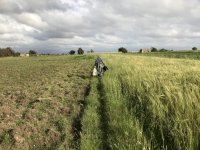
x=58, y=26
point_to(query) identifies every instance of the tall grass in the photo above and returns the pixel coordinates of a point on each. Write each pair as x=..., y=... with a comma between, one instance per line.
x=151, y=102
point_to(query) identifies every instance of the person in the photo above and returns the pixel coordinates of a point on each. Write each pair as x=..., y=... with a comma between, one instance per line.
x=99, y=67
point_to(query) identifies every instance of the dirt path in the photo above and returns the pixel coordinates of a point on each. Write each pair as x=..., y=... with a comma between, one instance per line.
x=77, y=122
x=102, y=113
x=104, y=119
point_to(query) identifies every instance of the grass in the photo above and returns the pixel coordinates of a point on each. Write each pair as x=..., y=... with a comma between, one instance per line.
x=39, y=98
x=147, y=102
x=174, y=54
x=91, y=133
x=139, y=103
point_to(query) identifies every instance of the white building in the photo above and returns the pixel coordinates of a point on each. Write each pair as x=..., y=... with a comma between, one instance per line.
x=24, y=55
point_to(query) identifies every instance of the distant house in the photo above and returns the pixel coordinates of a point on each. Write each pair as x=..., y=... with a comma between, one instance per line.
x=145, y=50
x=24, y=55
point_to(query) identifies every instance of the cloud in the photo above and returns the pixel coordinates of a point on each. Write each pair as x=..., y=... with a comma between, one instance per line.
x=53, y=26
x=20, y=6
x=32, y=20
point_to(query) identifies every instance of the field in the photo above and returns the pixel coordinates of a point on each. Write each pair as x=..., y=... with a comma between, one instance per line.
x=144, y=101
x=40, y=100
x=195, y=55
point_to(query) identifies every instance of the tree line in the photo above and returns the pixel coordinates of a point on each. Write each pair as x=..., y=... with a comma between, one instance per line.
x=6, y=52
x=9, y=52
x=152, y=49
x=80, y=51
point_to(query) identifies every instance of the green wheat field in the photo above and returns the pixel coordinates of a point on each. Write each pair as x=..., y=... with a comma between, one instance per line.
x=143, y=102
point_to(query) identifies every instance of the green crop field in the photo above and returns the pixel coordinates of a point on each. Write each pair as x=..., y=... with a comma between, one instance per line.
x=195, y=55
x=144, y=101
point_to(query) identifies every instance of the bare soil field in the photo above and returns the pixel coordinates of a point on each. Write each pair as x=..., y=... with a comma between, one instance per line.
x=39, y=99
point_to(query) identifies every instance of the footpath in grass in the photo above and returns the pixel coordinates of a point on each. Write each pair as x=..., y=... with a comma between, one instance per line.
x=107, y=123
x=145, y=103
x=95, y=121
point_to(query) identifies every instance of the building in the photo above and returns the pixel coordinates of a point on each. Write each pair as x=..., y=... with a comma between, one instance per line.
x=24, y=55
x=145, y=50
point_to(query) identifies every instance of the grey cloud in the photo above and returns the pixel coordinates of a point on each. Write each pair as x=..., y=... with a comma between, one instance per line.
x=100, y=24
x=19, y=6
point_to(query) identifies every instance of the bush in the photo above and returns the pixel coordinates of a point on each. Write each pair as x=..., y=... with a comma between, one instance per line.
x=194, y=48
x=80, y=51
x=122, y=49
x=72, y=52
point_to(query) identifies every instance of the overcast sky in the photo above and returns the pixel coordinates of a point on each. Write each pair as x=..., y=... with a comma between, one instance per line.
x=103, y=25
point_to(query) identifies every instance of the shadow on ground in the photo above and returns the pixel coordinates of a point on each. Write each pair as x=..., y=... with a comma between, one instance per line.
x=77, y=122
x=103, y=116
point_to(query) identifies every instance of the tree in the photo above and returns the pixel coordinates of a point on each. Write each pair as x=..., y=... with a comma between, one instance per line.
x=80, y=51
x=10, y=51
x=91, y=51
x=194, y=48
x=122, y=49
x=6, y=52
x=72, y=52
x=153, y=49
x=32, y=52
x=17, y=54
x=140, y=51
